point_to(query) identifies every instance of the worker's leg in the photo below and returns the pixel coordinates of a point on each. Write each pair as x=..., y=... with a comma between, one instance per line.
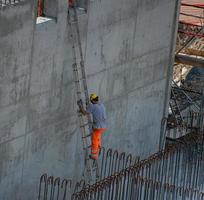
x=99, y=139
x=101, y=130
x=95, y=143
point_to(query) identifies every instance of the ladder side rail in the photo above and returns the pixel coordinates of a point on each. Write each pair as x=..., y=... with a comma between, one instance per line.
x=85, y=86
x=79, y=93
x=81, y=54
x=79, y=96
x=88, y=167
x=78, y=88
x=82, y=66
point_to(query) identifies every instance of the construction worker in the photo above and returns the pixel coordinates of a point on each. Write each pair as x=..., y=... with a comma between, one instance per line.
x=97, y=110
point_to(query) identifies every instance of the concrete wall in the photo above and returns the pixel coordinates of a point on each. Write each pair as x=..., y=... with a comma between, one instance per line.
x=129, y=49
x=127, y=53
x=50, y=8
x=16, y=35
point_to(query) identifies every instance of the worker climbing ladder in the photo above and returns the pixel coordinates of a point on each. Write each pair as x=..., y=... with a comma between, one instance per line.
x=91, y=167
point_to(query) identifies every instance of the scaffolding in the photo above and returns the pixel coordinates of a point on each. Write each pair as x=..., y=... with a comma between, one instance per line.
x=185, y=99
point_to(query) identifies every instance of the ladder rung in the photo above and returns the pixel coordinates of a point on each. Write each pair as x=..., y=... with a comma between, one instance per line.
x=92, y=169
x=87, y=147
x=87, y=136
x=81, y=92
x=80, y=114
x=77, y=81
x=81, y=79
x=88, y=158
x=84, y=125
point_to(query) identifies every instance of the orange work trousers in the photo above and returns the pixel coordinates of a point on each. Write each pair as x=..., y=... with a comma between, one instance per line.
x=96, y=141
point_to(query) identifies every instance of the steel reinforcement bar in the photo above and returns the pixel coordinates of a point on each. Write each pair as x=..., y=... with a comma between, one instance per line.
x=140, y=188
x=192, y=122
x=109, y=162
x=173, y=173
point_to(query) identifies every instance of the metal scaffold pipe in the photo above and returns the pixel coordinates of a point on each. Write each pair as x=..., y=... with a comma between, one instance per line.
x=189, y=60
x=201, y=6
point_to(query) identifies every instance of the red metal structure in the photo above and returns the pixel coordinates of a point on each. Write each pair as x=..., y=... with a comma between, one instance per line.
x=70, y=3
x=40, y=8
x=192, y=12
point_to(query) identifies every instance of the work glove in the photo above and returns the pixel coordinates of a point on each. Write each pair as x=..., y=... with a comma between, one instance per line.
x=80, y=103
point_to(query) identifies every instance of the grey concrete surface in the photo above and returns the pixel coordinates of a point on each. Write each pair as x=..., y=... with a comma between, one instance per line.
x=50, y=8
x=127, y=47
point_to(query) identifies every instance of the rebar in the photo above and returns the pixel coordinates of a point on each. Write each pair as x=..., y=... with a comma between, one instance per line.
x=110, y=161
x=169, y=174
x=51, y=188
x=173, y=173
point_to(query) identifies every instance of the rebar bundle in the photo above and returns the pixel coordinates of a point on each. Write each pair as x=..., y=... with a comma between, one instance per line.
x=175, y=173
x=172, y=174
x=110, y=162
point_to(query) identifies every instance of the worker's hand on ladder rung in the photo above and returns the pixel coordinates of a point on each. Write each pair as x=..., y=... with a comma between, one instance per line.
x=80, y=103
